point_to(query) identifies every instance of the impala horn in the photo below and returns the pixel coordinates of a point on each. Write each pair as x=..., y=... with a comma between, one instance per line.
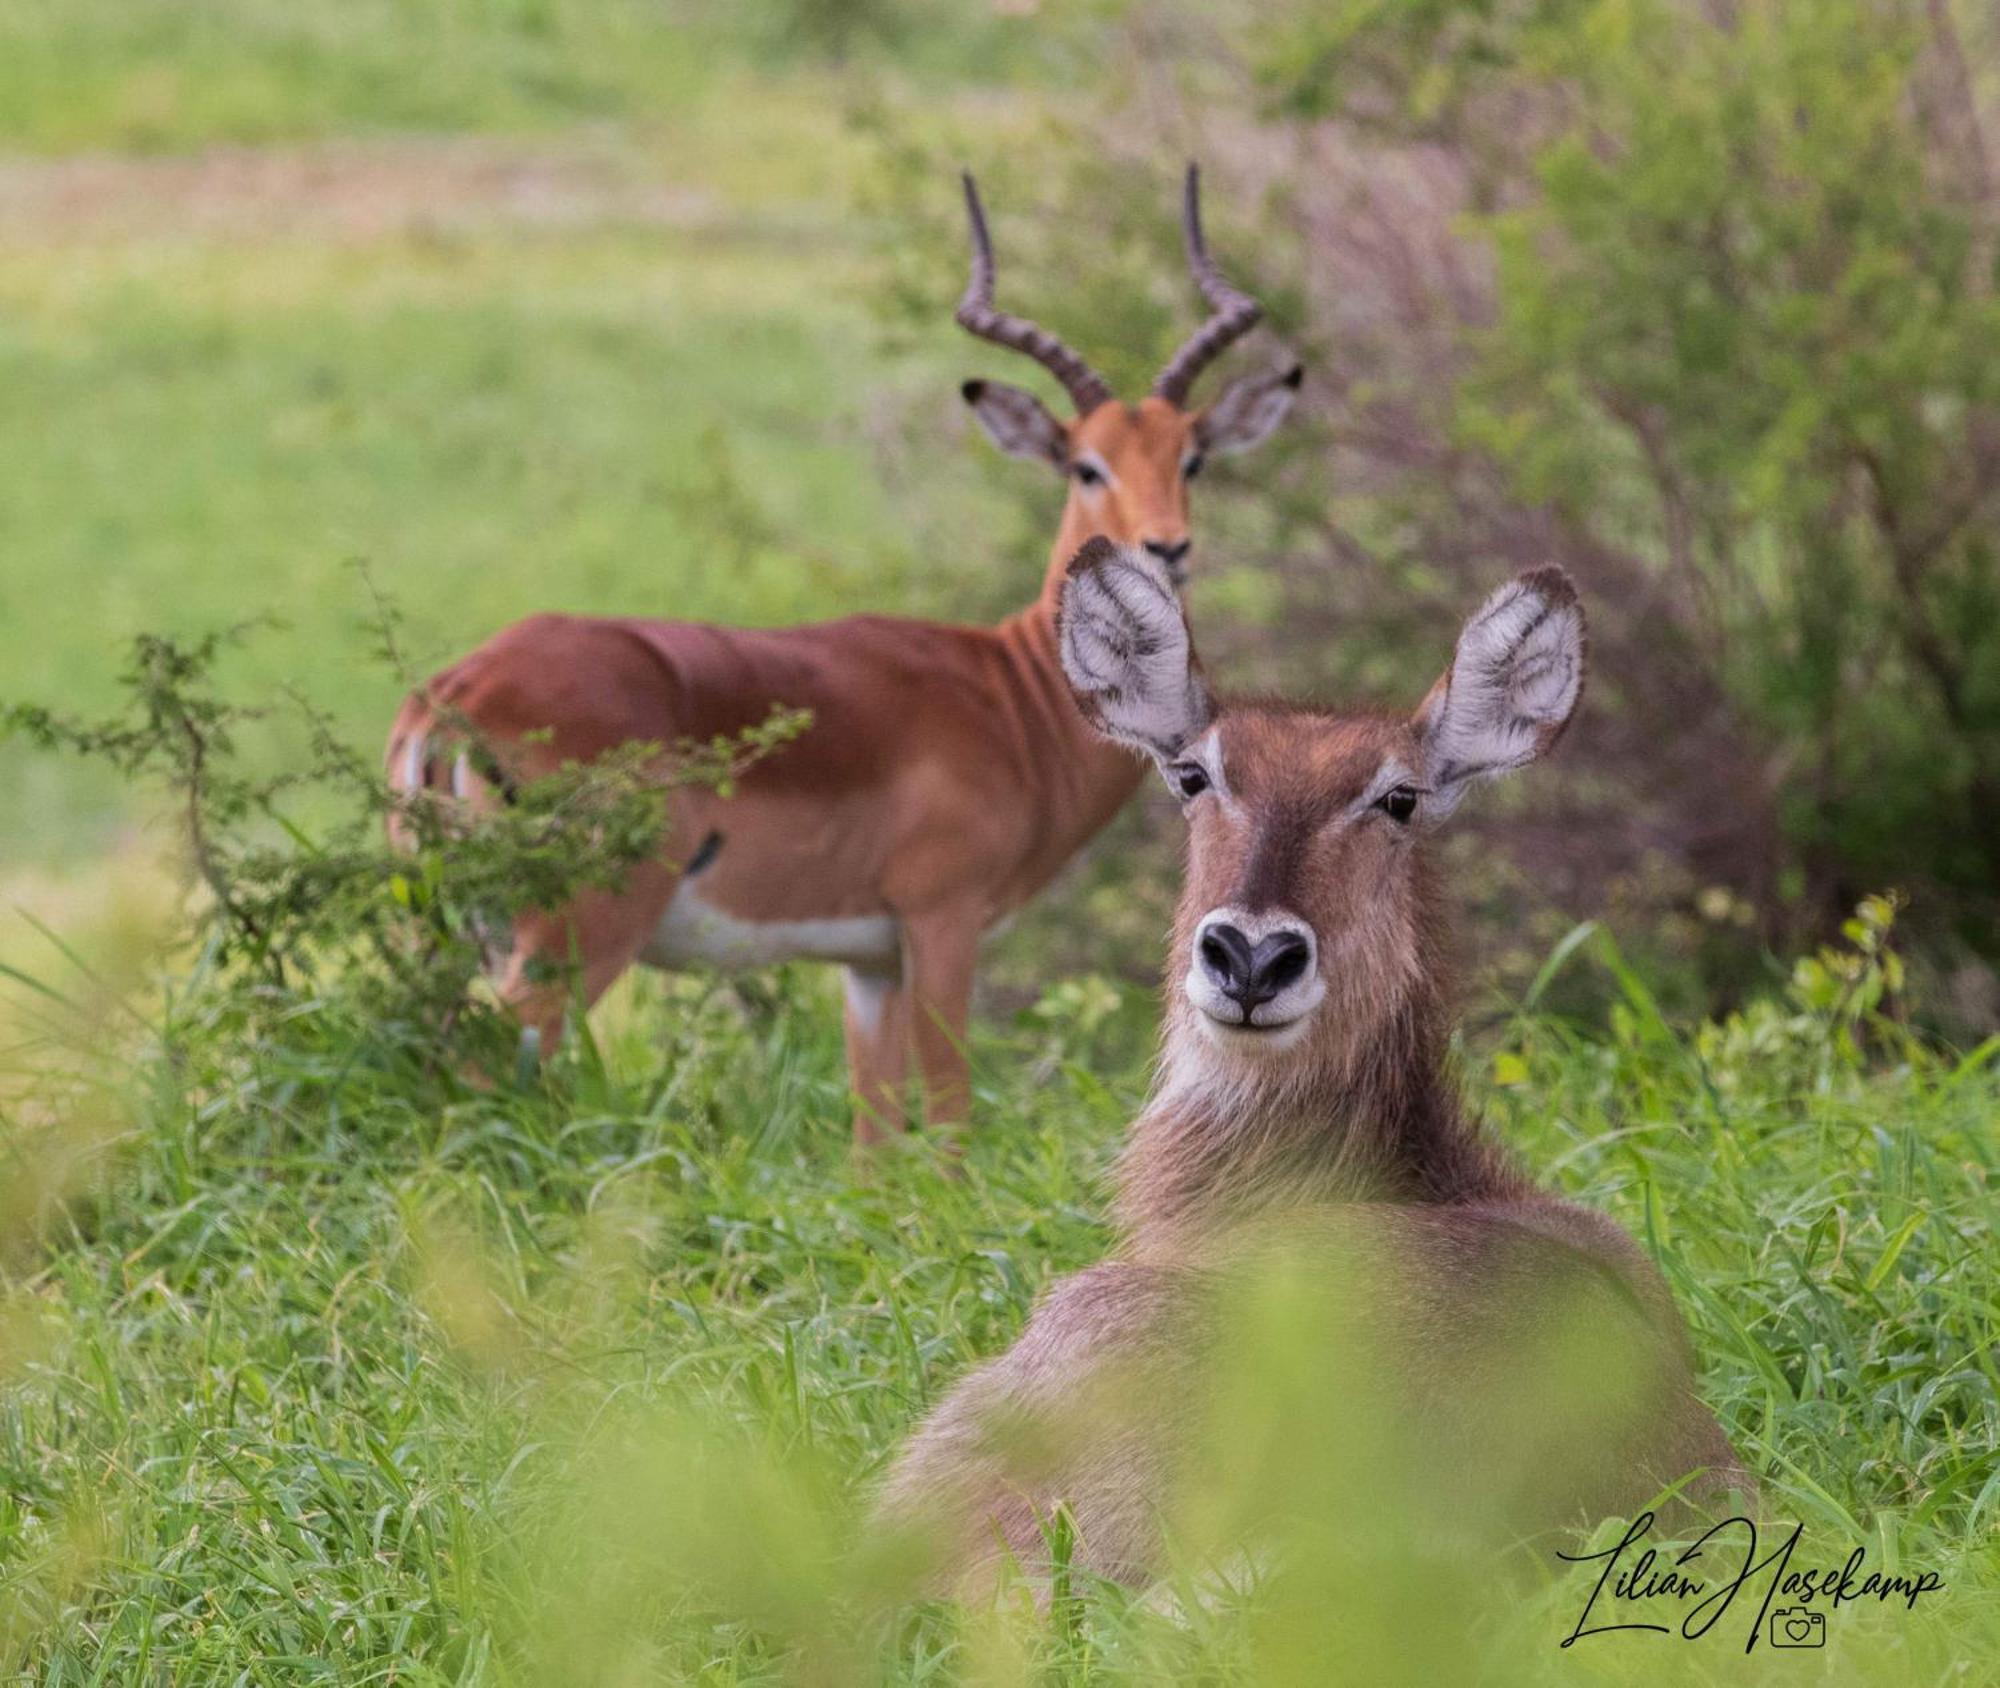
x=1233, y=314
x=976, y=315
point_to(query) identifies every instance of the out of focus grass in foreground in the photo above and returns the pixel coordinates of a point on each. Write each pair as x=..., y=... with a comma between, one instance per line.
x=311, y=1366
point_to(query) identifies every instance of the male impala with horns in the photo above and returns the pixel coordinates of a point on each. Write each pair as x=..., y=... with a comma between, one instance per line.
x=946, y=775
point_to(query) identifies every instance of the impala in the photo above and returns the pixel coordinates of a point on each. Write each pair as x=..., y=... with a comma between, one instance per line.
x=944, y=779
x=1303, y=1111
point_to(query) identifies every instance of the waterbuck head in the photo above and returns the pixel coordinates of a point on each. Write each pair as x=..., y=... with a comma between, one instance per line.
x=1128, y=465
x=1304, y=929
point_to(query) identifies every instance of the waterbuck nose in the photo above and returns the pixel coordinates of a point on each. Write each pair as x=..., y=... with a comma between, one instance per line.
x=1251, y=974
x=1172, y=552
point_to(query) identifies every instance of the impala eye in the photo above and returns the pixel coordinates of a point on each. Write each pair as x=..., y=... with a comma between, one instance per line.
x=1087, y=474
x=1398, y=804
x=1190, y=779
x=1192, y=467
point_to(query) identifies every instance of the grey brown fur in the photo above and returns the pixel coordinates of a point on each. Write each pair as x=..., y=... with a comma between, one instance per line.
x=1341, y=1149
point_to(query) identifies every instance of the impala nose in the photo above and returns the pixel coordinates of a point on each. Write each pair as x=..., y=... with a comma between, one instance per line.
x=1172, y=552
x=1251, y=973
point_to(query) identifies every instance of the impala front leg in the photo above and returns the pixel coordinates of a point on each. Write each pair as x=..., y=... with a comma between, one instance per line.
x=575, y=954
x=877, y=1022
x=941, y=950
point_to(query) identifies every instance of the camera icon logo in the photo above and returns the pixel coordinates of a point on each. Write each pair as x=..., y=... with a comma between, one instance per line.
x=1795, y=1626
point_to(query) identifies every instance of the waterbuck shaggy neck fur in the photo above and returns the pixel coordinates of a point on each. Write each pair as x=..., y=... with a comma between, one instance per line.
x=1304, y=1116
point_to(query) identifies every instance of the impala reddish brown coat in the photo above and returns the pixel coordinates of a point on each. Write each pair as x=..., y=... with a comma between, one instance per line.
x=1304, y=1114
x=946, y=775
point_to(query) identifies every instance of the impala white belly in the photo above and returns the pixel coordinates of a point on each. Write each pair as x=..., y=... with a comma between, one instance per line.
x=696, y=933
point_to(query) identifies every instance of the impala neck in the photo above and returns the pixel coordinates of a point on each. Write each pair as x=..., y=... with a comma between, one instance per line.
x=1089, y=778
x=1076, y=527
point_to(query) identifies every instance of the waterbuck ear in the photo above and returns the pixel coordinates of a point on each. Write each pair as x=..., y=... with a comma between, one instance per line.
x=1017, y=422
x=1511, y=687
x=1247, y=411
x=1127, y=652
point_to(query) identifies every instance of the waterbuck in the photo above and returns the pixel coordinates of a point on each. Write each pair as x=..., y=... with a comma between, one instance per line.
x=1518, y=1358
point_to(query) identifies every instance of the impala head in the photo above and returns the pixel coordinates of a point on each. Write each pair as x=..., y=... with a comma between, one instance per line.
x=1304, y=920
x=1128, y=465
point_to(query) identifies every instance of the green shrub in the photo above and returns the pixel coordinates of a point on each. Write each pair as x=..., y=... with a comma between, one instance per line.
x=1745, y=326
x=340, y=937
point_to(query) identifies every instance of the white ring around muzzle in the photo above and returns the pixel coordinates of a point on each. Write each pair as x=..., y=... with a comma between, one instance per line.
x=1276, y=1023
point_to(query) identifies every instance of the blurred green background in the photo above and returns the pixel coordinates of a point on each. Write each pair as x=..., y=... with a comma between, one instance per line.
x=312, y=1369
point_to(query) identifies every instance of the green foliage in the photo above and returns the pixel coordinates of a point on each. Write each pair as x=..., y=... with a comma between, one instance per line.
x=587, y=1382
x=317, y=1364
x=345, y=926
x=1746, y=312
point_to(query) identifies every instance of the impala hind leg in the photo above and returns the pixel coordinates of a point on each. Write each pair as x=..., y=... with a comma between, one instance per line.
x=941, y=951
x=877, y=1023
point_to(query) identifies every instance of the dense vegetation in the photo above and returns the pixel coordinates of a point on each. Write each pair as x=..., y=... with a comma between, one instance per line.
x=1744, y=311
x=319, y=1363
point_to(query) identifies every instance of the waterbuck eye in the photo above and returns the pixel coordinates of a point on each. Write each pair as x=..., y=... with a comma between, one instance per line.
x=1190, y=779
x=1086, y=474
x=1192, y=467
x=1398, y=804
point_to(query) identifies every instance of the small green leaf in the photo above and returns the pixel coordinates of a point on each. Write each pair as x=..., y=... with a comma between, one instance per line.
x=1890, y=1255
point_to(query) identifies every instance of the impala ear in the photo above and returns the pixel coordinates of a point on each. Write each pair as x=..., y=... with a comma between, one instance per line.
x=1248, y=411
x=1018, y=422
x=1127, y=652
x=1511, y=688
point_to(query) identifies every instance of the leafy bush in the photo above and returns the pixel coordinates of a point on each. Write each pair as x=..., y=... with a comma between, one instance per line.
x=342, y=937
x=1743, y=325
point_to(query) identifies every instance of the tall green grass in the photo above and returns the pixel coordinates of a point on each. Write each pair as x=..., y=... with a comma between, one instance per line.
x=316, y=1369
